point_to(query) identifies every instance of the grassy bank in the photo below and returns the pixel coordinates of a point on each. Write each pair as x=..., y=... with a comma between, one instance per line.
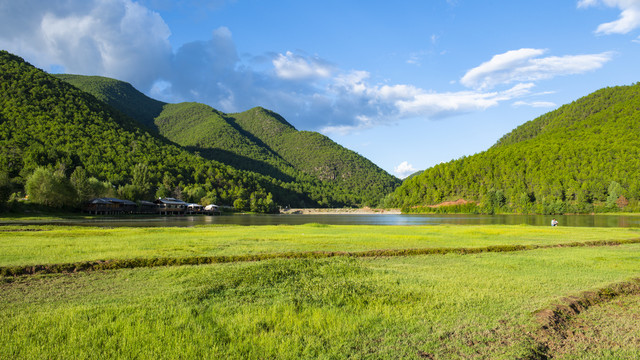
x=422, y=306
x=606, y=331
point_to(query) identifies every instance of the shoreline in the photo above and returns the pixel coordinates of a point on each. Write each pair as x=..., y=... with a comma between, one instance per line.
x=340, y=211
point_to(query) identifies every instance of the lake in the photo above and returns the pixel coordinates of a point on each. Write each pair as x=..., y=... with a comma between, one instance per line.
x=354, y=219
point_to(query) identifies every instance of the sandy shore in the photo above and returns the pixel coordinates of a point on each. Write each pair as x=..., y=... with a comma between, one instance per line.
x=365, y=210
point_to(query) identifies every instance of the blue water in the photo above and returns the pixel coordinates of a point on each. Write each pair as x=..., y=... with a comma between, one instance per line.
x=357, y=219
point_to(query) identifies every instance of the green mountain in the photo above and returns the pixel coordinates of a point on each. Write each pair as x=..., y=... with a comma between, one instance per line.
x=582, y=157
x=46, y=123
x=121, y=95
x=317, y=155
x=257, y=140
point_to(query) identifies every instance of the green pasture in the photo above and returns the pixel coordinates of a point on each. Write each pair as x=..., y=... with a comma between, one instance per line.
x=429, y=306
x=30, y=245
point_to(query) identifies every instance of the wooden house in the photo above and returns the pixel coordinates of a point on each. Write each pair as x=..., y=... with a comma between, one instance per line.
x=212, y=209
x=194, y=209
x=171, y=206
x=110, y=206
x=147, y=207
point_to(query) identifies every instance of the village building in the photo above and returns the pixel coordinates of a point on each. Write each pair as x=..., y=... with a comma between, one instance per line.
x=110, y=206
x=171, y=206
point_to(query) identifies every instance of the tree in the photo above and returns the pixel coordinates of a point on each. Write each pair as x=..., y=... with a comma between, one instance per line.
x=50, y=188
x=81, y=184
x=614, y=191
x=163, y=191
x=101, y=188
x=142, y=180
x=240, y=204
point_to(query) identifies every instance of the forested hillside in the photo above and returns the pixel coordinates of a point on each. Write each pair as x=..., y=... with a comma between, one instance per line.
x=119, y=94
x=53, y=134
x=317, y=155
x=582, y=157
x=257, y=140
x=215, y=135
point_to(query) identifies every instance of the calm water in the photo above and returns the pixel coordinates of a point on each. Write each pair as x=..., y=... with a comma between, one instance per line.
x=361, y=219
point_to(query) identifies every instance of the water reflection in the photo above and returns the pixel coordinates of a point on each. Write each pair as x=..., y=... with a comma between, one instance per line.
x=358, y=219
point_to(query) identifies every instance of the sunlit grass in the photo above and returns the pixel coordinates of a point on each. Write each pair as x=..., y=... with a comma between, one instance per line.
x=451, y=306
x=444, y=306
x=64, y=244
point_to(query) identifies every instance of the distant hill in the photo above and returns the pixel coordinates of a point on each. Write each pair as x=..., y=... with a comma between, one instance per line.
x=317, y=156
x=582, y=157
x=256, y=140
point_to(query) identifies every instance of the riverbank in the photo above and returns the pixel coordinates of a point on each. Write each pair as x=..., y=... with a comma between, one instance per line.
x=340, y=211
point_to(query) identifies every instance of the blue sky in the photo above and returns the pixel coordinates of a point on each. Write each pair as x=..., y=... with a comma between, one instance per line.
x=408, y=84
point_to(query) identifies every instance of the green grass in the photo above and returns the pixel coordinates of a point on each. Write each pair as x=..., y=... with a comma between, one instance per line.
x=31, y=245
x=606, y=331
x=443, y=307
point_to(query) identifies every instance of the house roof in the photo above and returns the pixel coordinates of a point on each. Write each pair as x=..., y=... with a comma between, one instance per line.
x=170, y=201
x=107, y=200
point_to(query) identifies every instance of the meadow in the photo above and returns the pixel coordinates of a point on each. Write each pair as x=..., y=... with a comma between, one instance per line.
x=483, y=304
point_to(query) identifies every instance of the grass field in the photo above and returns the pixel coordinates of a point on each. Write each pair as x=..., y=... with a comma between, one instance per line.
x=30, y=245
x=480, y=305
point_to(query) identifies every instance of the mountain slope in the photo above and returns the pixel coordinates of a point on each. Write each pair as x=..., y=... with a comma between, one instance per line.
x=47, y=122
x=569, y=160
x=119, y=94
x=316, y=154
x=214, y=135
x=256, y=140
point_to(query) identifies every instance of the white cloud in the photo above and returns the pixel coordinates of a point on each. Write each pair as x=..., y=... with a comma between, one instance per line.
x=587, y=3
x=362, y=122
x=296, y=67
x=404, y=169
x=484, y=76
x=125, y=40
x=414, y=59
x=442, y=104
x=97, y=37
x=206, y=71
x=535, y=104
x=343, y=129
x=629, y=17
x=380, y=104
x=526, y=65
